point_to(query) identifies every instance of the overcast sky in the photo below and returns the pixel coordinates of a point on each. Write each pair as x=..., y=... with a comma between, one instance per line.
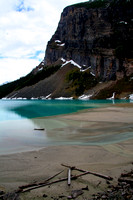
x=25, y=28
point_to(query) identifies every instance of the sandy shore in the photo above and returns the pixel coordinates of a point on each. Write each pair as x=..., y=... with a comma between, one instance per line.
x=107, y=158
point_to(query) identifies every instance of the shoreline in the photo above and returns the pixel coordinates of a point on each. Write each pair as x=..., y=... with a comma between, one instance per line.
x=109, y=159
x=37, y=166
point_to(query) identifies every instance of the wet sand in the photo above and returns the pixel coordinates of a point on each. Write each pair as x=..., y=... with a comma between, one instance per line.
x=109, y=158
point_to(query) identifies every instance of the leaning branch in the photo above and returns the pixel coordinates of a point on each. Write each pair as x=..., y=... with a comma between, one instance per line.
x=89, y=172
x=40, y=183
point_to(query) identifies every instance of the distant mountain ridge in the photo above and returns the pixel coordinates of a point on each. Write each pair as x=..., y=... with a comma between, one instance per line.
x=91, y=53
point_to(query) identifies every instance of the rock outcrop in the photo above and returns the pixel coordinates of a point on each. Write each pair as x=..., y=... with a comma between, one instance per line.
x=96, y=35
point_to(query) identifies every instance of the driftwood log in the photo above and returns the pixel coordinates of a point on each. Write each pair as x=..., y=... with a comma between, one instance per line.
x=40, y=183
x=69, y=176
x=89, y=172
x=33, y=186
x=29, y=187
x=56, y=181
x=39, y=129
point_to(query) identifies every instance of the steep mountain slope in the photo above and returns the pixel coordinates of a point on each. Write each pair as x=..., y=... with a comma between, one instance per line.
x=45, y=88
x=92, y=44
x=57, y=84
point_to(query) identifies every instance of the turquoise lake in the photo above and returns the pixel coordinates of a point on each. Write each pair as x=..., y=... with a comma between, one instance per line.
x=26, y=109
x=19, y=118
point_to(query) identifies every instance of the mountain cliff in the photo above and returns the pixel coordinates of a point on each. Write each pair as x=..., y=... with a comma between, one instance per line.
x=91, y=51
x=97, y=34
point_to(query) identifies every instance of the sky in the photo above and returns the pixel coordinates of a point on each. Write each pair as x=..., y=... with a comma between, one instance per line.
x=25, y=28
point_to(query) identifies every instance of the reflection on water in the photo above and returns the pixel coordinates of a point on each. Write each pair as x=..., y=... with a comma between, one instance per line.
x=18, y=119
x=64, y=131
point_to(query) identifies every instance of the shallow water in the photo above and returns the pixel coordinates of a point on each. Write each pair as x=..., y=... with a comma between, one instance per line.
x=19, y=118
x=26, y=109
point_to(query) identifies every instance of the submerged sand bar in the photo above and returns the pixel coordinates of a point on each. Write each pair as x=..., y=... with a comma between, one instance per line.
x=109, y=129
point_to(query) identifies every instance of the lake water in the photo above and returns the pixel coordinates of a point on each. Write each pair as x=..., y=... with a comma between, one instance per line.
x=26, y=109
x=19, y=118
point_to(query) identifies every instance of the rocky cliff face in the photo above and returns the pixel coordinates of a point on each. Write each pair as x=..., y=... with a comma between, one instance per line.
x=91, y=53
x=96, y=35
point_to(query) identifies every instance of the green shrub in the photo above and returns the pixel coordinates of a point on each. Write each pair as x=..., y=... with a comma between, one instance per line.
x=80, y=81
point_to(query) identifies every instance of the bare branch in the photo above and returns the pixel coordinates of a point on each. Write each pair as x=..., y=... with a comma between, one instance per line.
x=89, y=172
